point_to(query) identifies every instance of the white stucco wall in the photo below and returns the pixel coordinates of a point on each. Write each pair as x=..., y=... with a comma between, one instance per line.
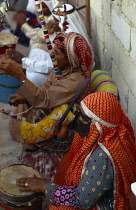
x=114, y=43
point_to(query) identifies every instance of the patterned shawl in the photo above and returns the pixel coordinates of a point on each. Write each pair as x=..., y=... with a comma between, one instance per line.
x=113, y=132
x=77, y=51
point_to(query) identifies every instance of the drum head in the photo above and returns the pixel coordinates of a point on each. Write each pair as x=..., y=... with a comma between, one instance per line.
x=8, y=188
x=7, y=39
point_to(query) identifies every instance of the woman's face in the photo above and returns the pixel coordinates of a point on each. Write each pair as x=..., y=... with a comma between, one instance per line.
x=62, y=60
x=45, y=9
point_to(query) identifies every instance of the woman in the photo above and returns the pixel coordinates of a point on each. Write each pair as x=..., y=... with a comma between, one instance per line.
x=74, y=59
x=97, y=171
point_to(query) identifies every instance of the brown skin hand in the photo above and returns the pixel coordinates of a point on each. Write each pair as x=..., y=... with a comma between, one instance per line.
x=53, y=26
x=20, y=18
x=15, y=55
x=12, y=68
x=16, y=99
x=34, y=184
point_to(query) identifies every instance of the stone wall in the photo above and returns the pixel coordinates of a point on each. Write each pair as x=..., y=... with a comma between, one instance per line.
x=114, y=42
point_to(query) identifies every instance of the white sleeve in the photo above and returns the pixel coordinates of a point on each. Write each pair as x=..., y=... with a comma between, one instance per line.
x=38, y=61
x=43, y=67
x=35, y=34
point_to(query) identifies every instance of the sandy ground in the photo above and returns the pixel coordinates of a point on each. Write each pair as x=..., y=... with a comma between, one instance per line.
x=10, y=150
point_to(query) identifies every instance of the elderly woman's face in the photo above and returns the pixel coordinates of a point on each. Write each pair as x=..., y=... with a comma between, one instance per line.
x=62, y=60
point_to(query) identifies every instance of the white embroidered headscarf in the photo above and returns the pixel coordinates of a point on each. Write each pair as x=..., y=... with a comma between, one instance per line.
x=31, y=5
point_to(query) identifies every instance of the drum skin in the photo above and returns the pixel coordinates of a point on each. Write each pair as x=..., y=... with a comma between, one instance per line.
x=7, y=41
x=10, y=196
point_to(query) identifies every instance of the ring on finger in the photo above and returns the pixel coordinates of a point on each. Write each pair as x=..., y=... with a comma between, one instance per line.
x=26, y=184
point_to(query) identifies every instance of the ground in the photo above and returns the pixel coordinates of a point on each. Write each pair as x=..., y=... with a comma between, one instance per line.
x=10, y=151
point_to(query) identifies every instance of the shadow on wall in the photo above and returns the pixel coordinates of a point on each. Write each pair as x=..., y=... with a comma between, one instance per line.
x=17, y=4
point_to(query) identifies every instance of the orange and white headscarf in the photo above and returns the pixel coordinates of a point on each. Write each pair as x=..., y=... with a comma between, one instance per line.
x=113, y=132
x=77, y=50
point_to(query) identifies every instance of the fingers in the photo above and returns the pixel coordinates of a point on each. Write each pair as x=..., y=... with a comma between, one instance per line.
x=25, y=183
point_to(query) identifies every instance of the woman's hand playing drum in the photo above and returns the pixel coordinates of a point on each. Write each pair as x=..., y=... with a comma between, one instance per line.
x=61, y=132
x=12, y=68
x=32, y=184
x=14, y=55
x=16, y=99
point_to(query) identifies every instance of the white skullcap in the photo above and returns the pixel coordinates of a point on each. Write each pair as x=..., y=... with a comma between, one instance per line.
x=31, y=6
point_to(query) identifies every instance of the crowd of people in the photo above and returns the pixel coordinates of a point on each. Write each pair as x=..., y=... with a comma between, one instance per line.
x=95, y=166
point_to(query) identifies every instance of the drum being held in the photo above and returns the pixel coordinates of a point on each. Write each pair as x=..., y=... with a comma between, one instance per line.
x=7, y=41
x=8, y=84
x=10, y=195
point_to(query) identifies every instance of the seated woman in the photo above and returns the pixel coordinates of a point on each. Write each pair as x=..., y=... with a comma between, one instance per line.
x=74, y=59
x=38, y=64
x=93, y=175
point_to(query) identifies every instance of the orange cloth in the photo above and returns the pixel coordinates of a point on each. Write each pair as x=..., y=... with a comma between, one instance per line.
x=118, y=141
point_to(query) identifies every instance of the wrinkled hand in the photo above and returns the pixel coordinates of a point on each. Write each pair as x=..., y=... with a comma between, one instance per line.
x=15, y=55
x=16, y=99
x=33, y=184
x=53, y=26
x=10, y=67
x=61, y=132
x=20, y=18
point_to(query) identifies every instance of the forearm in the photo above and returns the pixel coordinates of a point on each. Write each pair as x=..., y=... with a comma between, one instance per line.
x=52, y=94
x=96, y=182
x=21, y=77
x=36, y=66
x=34, y=34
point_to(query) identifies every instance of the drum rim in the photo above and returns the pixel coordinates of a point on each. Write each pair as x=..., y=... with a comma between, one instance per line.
x=13, y=198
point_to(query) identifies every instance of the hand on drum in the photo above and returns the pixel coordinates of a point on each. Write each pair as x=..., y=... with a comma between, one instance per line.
x=32, y=184
x=12, y=68
x=15, y=55
x=61, y=132
x=16, y=99
x=20, y=18
x=53, y=26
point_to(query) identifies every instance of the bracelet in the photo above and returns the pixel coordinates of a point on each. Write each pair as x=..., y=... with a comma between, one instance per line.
x=23, y=82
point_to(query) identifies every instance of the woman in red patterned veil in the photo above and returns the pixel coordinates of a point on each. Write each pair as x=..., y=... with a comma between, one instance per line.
x=97, y=171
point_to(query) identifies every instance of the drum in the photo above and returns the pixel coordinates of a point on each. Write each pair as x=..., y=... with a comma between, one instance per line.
x=10, y=196
x=7, y=41
x=8, y=84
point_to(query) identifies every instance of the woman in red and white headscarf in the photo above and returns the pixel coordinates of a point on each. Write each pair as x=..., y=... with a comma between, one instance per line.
x=99, y=168
x=74, y=58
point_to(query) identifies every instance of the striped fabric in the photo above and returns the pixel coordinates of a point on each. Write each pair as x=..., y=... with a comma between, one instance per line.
x=102, y=81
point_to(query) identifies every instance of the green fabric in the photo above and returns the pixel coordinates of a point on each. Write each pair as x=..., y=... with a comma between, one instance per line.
x=17, y=4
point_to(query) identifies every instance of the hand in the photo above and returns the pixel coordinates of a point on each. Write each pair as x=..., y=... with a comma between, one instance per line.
x=12, y=68
x=61, y=132
x=16, y=99
x=15, y=55
x=32, y=184
x=53, y=26
x=20, y=18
